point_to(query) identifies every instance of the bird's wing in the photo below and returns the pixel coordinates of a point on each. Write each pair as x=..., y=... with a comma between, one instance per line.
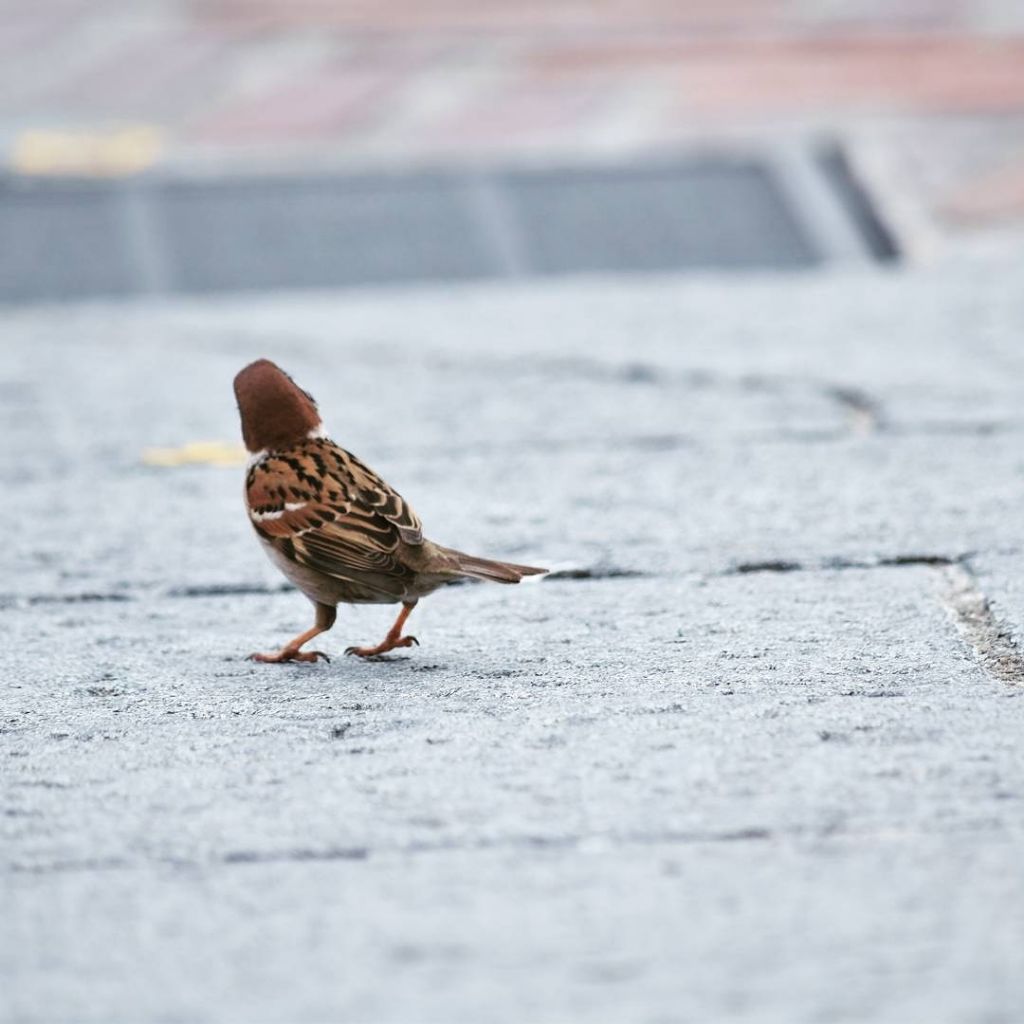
x=321, y=507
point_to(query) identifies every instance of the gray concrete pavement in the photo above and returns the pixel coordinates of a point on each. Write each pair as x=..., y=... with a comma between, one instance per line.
x=775, y=774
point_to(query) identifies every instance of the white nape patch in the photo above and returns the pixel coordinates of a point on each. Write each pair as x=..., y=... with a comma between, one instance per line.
x=255, y=458
x=318, y=433
x=289, y=506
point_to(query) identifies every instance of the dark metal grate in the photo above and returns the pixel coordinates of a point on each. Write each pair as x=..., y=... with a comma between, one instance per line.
x=711, y=214
x=61, y=239
x=318, y=233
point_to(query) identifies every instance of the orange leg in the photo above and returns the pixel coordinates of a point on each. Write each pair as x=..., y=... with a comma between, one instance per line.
x=392, y=640
x=325, y=616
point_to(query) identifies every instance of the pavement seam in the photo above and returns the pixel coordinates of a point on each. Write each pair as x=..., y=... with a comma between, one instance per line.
x=781, y=565
x=864, y=412
x=571, y=573
x=990, y=639
x=355, y=854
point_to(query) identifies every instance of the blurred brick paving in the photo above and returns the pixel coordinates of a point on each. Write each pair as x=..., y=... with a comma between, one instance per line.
x=934, y=88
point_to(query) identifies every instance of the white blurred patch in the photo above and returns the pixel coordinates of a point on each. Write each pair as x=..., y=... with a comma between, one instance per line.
x=256, y=458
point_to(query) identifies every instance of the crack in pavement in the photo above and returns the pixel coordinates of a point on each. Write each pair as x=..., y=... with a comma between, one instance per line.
x=572, y=573
x=838, y=563
x=297, y=856
x=990, y=639
x=864, y=421
x=864, y=412
x=596, y=572
x=361, y=853
x=230, y=590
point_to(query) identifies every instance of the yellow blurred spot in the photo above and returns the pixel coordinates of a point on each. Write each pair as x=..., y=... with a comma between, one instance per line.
x=210, y=453
x=108, y=154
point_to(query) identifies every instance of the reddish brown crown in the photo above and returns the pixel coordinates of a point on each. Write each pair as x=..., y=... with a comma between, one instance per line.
x=276, y=412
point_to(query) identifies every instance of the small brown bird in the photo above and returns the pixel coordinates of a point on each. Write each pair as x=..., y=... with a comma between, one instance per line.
x=330, y=524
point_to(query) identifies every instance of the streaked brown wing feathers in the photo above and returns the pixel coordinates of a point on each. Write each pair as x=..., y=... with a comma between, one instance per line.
x=380, y=498
x=328, y=511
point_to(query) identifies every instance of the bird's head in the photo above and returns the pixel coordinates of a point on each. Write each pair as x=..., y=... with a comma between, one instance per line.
x=276, y=412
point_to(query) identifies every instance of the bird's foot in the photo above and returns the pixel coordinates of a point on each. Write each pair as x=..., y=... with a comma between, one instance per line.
x=288, y=654
x=389, y=644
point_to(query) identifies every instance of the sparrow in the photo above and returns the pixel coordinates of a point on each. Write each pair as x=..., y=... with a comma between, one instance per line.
x=333, y=526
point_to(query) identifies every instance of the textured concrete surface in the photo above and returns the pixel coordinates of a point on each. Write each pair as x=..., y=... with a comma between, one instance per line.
x=754, y=754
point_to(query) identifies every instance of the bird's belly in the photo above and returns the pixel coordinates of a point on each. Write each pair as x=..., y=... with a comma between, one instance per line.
x=321, y=588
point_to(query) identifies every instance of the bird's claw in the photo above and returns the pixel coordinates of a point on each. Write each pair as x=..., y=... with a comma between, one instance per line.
x=388, y=645
x=288, y=655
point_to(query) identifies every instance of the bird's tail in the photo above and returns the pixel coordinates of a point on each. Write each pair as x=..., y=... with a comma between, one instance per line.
x=486, y=569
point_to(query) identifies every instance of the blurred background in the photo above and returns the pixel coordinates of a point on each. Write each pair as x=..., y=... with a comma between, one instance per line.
x=165, y=146
x=715, y=309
